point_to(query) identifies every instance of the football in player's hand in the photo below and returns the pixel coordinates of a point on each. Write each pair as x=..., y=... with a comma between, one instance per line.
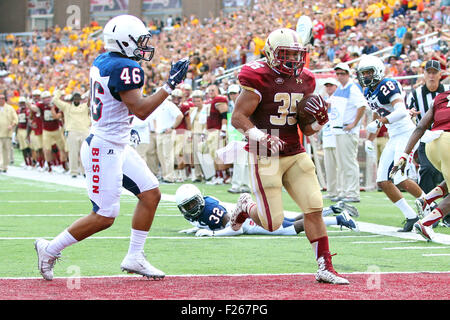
x=304, y=117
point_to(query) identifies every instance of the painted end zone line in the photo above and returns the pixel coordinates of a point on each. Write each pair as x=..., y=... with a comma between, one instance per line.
x=232, y=275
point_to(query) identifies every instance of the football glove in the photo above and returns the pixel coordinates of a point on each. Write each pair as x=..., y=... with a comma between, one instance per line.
x=399, y=165
x=369, y=147
x=318, y=108
x=178, y=72
x=374, y=126
x=204, y=233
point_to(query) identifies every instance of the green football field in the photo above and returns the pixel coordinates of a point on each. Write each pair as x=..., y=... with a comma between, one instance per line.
x=31, y=208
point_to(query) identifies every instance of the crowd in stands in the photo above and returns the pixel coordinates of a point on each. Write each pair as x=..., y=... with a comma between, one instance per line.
x=57, y=60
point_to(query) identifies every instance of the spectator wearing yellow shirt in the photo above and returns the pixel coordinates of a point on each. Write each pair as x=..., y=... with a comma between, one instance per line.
x=8, y=122
x=77, y=124
x=373, y=12
x=348, y=18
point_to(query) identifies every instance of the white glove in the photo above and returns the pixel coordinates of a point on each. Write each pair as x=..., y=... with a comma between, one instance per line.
x=374, y=126
x=399, y=165
x=204, y=233
x=369, y=147
x=189, y=231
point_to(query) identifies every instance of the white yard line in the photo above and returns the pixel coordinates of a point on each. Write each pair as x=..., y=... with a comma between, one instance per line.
x=414, y=248
x=80, y=183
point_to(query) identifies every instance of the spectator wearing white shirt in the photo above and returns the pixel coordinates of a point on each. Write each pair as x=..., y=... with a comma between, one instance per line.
x=143, y=129
x=153, y=163
x=166, y=117
x=329, y=144
x=349, y=104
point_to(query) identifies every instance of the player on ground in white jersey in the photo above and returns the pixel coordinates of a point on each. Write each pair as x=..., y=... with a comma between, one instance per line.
x=210, y=217
x=385, y=97
x=109, y=161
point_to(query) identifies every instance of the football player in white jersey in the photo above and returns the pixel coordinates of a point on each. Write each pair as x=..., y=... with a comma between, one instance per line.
x=386, y=99
x=110, y=163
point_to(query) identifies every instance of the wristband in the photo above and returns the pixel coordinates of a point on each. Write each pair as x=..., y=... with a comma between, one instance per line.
x=404, y=156
x=167, y=88
x=255, y=134
x=316, y=126
x=224, y=127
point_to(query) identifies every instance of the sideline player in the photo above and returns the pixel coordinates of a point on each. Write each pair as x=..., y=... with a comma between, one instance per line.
x=109, y=161
x=266, y=111
x=210, y=217
x=385, y=98
x=437, y=151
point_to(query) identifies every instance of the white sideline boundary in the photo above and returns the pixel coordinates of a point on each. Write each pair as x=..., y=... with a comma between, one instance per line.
x=67, y=180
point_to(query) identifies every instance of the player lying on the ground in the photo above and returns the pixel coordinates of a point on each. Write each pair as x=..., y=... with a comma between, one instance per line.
x=210, y=217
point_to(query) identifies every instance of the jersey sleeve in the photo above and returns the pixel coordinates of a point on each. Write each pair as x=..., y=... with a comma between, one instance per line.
x=249, y=78
x=125, y=77
x=389, y=91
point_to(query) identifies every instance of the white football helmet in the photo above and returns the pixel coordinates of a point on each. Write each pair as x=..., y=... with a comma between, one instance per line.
x=190, y=201
x=285, y=51
x=128, y=35
x=368, y=63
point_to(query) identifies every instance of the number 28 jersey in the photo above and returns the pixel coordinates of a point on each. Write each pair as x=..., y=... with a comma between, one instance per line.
x=111, y=74
x=380, y=100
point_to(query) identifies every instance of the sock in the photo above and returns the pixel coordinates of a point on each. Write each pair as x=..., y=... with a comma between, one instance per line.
x=434, y=194
x=63, y=240
x=408, y=212
x=320, y=246
x=332, y=221
x=432, y=217
x=137, y=241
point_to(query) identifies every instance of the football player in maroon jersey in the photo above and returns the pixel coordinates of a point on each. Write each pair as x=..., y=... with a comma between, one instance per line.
x=436, y=149
x=266, y=111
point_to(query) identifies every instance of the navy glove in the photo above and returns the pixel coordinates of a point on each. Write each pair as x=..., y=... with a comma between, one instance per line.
x=178, y=72
x=135, y=139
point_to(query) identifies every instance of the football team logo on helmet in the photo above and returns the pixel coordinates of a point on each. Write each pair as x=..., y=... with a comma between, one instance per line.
x=285, y=52
x=128, y=35
x=370, y=70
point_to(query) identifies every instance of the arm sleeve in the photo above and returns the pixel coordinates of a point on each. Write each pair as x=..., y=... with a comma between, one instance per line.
x=399, y=112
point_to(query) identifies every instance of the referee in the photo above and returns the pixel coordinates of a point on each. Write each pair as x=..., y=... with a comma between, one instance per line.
x=418, y=101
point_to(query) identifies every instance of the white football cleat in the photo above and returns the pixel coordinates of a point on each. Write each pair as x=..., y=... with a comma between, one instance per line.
x=240, y=212
x=326, y=272
x=45, y=260
x=137, y=263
